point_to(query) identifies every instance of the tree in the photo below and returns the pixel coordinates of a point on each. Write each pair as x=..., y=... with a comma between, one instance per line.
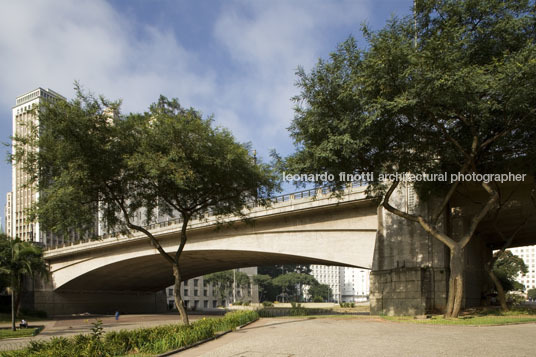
x=531, y=294
x=507, y=268
x=450, y=90
x=322, y=291
x=291, y=283
x=19, y=260
x=83, y=156
x=267, y=290
x=223, y=281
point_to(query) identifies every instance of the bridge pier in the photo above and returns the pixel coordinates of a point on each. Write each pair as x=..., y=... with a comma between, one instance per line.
x=410, y=269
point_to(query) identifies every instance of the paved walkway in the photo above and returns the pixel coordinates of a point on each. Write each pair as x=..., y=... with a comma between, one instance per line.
x=76, y=325
x=368, y=337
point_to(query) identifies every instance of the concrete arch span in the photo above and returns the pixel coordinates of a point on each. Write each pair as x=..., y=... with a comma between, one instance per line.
x=151, y=273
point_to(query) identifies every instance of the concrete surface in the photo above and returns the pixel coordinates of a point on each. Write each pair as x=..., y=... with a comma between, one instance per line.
x=367, y=337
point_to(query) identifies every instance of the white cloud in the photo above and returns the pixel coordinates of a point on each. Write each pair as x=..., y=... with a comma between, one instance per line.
x=56, y=42
x=270, y=39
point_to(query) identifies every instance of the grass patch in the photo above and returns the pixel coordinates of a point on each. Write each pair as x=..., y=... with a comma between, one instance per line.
x=23, y=332
x=146, y=341
x=475, y=317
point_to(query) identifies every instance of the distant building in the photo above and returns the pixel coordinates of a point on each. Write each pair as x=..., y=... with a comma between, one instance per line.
x=347, y=284
x=528, y=254
x=21, y=197
x=198, y=294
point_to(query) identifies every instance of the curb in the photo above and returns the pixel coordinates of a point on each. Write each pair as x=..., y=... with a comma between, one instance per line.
x=205, y=340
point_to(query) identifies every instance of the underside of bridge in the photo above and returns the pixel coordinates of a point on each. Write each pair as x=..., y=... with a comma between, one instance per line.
x=153, y=273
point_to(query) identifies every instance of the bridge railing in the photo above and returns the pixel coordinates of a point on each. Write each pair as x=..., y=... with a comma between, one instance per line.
x=309, y=193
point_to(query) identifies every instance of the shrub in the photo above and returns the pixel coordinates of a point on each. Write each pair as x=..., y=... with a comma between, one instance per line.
x=267, y=303
x=154, y=340
x=318, y=299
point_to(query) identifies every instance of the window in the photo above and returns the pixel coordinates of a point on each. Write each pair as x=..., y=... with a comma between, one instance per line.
x=185, y=292
x=205, y=304
x=170, y=292
x=205, y=292
x=214, y=304
x=196, y=282
x=196, y=292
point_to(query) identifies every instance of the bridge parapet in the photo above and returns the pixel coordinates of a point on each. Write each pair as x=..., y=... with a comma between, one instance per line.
x=291, y=202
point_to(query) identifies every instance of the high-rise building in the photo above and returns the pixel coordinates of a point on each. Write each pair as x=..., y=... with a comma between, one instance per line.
x=347, y=284
x=528, y=254
x=22, y=196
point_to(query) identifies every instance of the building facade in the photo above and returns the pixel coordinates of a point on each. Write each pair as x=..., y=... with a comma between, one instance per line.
x=198, y=294
x=528, y=254
x=22, y=196
x=347, y=284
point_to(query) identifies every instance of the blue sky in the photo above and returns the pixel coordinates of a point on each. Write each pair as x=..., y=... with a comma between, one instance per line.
x=233, y=59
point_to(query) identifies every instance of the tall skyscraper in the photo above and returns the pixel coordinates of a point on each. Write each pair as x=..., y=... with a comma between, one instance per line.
x=22, y=196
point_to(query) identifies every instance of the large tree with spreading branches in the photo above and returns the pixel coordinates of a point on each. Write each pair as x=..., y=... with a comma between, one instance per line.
x=449, y=89
x=85, y=156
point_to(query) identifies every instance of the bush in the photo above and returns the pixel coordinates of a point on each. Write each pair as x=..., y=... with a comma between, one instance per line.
x=237, y=303
x=267, y=303
x=154, y=340
x=318, y=299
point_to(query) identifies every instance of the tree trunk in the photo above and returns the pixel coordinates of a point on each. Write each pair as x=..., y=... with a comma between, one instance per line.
x=179, y=303
x=500, y=291
x=13, y=328
x=18, y=297
x=457, y=266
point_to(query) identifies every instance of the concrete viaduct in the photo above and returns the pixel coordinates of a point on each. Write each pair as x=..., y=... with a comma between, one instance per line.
x=409, y=268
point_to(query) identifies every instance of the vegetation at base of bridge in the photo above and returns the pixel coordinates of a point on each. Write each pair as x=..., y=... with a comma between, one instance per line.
x=154, y=340
x=474, y=317
x=297, y=309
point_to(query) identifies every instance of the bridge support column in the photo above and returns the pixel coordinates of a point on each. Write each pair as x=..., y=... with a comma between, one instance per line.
x=410, y=270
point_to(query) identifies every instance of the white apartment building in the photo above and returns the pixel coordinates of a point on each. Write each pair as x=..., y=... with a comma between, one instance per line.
x=347, y=284
x=528, y=254
x=21, y=198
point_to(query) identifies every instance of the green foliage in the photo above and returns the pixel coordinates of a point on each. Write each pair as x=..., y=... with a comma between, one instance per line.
x=267, y=303
x=290, y=283
x=223, y=282
x=347, y=304
x=20, y=260
x=321, y=291
x=417, y=96
x=531, y=294
x=507, y=267
x=154, y=340
x=97, y=330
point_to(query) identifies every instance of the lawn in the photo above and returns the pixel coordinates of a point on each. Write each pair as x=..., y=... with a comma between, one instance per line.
x=475, y=317
x=23, y=332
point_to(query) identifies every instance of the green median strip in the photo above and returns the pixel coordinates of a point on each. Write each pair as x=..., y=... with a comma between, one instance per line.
x=146, y=341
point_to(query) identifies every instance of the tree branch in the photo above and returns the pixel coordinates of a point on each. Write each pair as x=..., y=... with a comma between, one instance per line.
x=449, y=242
x=494, y=196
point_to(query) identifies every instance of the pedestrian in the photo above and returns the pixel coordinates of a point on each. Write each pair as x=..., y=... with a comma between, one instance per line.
x=116, y=315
